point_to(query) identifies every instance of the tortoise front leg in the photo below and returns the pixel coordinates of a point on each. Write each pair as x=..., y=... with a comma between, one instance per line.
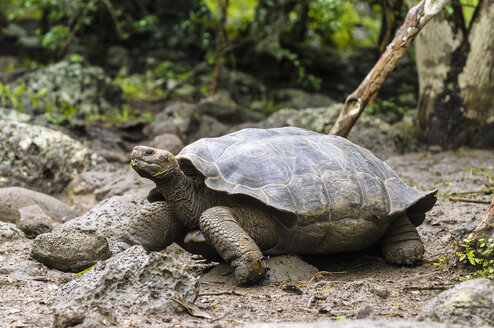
x=224, y=233
x=154, y=226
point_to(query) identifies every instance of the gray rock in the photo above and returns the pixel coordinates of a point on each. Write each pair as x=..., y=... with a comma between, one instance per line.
x=242, y=87
x=9, y=231
x=210, y=118
x=281, y=269
x=109, y=219
x=38, y=157
x=179, y=115
x=86, y=88
x=14, y=115
x=12, y=199
x=299, y=99
x=468, y=303
x=209, y=127
x=222, y=108
x=108, y=184
x=132, y=283
x=167, y=141
x=33, y=221
x=354, y=324
x=159, y=127
x=355, y=293
x=71, y=251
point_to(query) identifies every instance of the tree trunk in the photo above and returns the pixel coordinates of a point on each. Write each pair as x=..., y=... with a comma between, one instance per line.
x=417, y=17
x=456, y=78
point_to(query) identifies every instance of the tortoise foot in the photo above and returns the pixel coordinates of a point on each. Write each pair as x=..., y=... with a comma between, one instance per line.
x=249, y=269
x=407, y=252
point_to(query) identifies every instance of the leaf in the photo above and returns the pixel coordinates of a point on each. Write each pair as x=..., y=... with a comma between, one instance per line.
x=42, y=92
x=192, y=309
x=20, y=89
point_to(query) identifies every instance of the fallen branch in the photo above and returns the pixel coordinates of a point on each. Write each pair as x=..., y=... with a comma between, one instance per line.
x=224, y=292
x=427, y=287
x=416, y=19
x=486, y=226
x=468, y=200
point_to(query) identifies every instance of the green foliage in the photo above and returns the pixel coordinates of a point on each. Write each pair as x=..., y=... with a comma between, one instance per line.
x=335, y=22
x=385, y=106
x=441, y=262
x=54, y=111
x=477, y=254
x=240, y=13
x=127, y=114
x=55, y=37
x=468, y=8
x=140, y=87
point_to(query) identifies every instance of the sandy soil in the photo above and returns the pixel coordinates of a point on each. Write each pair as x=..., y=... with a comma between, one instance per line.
x=356, y=285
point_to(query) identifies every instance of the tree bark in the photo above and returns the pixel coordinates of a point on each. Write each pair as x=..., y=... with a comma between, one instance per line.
x=456, y=79
x=355, y=104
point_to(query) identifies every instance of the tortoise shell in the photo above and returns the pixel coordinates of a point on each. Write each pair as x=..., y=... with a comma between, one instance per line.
x=303, y=172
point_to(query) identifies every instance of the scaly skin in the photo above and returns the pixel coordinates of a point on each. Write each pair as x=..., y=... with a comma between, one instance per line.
x=154, y=227
x=401, y=244
x=194, y=205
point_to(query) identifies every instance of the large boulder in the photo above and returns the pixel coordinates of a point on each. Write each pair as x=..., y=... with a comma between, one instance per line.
x=468, y=303
x=13, y=199
x=130, y=284
x=106, y=184
x=97, y=232
x=73, y=85
x=39, y=158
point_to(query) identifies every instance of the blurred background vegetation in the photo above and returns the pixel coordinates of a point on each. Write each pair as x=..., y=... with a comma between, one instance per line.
x=156, y=51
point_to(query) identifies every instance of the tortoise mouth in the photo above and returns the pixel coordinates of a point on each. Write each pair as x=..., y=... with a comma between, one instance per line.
x=146, y=168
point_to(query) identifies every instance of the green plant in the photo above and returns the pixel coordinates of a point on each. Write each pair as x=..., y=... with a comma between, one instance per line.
x=441, y=262
x=53, y=110
x=127, y=114
x=477, y=253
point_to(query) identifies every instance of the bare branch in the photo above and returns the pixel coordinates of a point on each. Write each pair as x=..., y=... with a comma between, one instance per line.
x=416, y=19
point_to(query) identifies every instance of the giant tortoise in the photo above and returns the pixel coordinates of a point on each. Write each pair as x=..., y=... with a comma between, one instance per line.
x=286, y=191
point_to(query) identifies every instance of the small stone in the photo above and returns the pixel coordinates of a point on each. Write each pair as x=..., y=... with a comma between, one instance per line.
x=9, y=231
x=33, y=221
x=71, y=251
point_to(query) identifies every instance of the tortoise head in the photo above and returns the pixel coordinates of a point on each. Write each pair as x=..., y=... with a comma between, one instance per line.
x=152, y=163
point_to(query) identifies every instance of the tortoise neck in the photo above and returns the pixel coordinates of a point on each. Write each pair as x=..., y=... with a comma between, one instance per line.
x=187, y=198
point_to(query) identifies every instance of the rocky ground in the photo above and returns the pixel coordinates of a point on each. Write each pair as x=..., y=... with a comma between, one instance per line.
x=74, y=200
x=338, y=287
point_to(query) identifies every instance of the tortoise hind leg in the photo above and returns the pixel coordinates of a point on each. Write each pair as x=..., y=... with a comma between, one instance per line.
x=222, y=229
x=401, y=244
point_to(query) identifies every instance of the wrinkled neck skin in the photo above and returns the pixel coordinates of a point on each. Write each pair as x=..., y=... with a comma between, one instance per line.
x=187, y=198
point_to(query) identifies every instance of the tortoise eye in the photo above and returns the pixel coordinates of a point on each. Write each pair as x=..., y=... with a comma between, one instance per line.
x=149, y=152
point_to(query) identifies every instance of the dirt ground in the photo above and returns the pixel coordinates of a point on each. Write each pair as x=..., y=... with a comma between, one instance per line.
x=356, y=285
